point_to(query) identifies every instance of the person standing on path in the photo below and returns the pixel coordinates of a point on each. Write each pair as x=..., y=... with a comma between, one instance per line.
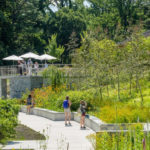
x=29, y=103
x=83, y=112
x=66, y=106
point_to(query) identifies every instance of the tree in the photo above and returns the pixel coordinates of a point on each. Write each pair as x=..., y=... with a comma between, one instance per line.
x=116, y=17
x=53, y=48
x=71, y=46
x=137, y=54
x=96, y=60
x=64, y=24
x=20, y=29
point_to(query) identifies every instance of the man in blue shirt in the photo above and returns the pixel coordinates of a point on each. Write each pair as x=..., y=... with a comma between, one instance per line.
x=66, y=106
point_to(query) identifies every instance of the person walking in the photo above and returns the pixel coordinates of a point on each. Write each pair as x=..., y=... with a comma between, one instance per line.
x=29, y=103
x=66, y=106
x=83, y=112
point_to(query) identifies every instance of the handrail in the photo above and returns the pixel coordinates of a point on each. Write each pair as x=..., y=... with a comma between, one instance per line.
x=14, y=70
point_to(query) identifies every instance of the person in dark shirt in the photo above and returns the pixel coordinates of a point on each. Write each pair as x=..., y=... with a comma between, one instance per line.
x=83, y=112
x=29, y=103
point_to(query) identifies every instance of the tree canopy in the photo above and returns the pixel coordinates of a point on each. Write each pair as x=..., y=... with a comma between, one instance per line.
x=29, y=25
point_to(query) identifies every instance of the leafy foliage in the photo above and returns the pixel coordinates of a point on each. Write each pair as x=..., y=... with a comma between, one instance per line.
x=53, y=48
x=131, y=139
x=28, y=25
x=8, y=118
x=54, y=76
x=52, y=98
x=124, y=113
x=106, y=63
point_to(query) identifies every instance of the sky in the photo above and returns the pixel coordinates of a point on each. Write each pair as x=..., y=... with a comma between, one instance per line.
x=54, y=8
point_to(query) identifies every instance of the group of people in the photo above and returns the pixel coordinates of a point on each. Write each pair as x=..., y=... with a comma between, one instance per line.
x=27, y=68
x=67, y=110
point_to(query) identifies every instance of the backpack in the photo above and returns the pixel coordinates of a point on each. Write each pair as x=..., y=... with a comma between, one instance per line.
x=65, y=104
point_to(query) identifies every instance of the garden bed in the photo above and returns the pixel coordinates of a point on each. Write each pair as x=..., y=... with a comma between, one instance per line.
x=26, y=133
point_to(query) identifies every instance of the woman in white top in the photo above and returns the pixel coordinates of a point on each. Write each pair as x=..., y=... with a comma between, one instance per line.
x=36, y=67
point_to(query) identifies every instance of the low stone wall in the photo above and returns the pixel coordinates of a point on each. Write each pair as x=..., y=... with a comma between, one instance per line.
x=118, y=126
x=49, y=114
x=91, y=122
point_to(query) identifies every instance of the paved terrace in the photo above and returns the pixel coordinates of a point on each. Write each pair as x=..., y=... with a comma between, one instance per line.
x=58, y=136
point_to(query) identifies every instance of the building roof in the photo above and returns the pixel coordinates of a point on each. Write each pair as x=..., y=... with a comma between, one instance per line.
x=145, y=34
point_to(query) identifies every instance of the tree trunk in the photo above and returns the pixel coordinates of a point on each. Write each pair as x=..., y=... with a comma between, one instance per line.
x=100, y=88
x=136, y=83
x=70, y=4
x=139, y=86
x=101, y=94
x=130, y=83
x=118, y=82
x=116, y=113
x=62, y=3
x=108, y=90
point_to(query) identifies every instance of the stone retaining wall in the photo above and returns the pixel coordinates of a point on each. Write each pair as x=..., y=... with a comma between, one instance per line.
x=91, y=122
x=3, y=88
x=19, y=85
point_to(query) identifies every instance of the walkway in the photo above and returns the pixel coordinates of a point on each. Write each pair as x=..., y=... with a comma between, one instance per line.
x=58, y=136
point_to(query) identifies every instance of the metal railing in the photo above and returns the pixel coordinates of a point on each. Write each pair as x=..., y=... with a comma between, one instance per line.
x=8, y=70
x=16, y=70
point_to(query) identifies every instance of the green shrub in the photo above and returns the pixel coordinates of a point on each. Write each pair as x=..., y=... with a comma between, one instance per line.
x=54, y=76
x=75, y=98
x=131, y=139
x=52, y=98
x=123, y=113
x=8, y=118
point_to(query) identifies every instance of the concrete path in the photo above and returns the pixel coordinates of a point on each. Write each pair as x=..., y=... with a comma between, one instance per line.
x=59, y=137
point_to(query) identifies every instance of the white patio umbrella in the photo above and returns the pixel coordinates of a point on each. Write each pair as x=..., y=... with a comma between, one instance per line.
x=47, y=57
x=30, y=55
x=13, y=57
